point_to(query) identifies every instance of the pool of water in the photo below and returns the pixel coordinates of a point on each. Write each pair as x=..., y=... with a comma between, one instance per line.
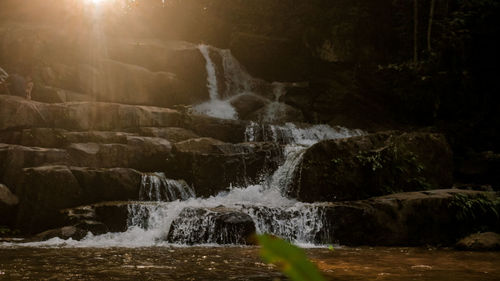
x=241, y=263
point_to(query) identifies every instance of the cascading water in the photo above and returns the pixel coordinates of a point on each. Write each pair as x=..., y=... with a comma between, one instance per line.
x=235, y=79
x=272, y=212
x=156, y=187
x=170, y=213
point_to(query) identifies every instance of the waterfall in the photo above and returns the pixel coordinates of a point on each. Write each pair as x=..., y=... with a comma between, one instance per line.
x=156, y=187
x=169, y=208
x=216, y=106
x=152, y=223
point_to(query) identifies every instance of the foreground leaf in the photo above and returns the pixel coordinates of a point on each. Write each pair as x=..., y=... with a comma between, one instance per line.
x=291, y=260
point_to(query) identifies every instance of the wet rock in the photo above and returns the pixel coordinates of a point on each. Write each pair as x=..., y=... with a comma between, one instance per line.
x=277, y=113
x=65, y=232
x=371, y=165
x=211, y=166
x=409, y=218
x=487, y=241
x=8, y=205
x=217, y=225
x=109, y=216
x=43, y=191
x=95, y=227
x=247, y=103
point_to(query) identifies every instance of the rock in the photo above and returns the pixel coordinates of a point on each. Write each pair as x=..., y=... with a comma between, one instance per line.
x=16, y=157
x=142, y=153
x=487, y=241
x=211, y=166
x=277, y=113
x=38, y=137
x=65, y=232
x=43, y=191
x=172, y=134
x=8, y=205
x=371, y=165
x=94, y=227
x=115, y=81
x=18, y=113
x=181, y=58
x=410, y=219
x=270, y=57
x=247, y=103
x=216, y=225
x=332, y=97
x=480, y=168
x=199, y=146
x=222, y=129
x=109, y=216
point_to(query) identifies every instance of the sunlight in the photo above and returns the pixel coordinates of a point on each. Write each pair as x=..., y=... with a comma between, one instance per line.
x=95, y=1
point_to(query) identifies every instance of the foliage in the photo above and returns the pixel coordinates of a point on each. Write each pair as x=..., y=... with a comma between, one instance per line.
x=472, y=208
x=291, y=260
x=6, y=231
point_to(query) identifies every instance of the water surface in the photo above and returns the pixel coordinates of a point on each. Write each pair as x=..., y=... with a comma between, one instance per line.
x=240, y=263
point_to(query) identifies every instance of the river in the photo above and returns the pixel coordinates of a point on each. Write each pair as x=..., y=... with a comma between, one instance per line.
x=241, y=263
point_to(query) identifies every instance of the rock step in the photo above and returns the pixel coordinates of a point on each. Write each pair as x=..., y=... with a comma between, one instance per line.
x=18, y=113
x=59, y=138
x=410, y=218
x=142, y=153
x=43, y=191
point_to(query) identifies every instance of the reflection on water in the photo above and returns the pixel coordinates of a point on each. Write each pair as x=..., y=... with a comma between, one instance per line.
x=241, y=263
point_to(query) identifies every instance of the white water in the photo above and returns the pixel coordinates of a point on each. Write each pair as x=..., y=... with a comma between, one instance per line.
x=156, y=187
x=271, y=211
x=217, y=106
x=266, y=203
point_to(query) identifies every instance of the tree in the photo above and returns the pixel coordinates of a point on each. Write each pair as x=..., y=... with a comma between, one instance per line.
x=415, y=31
x=429, y=27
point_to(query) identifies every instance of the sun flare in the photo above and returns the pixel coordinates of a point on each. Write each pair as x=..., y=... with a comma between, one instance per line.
x=95, y=1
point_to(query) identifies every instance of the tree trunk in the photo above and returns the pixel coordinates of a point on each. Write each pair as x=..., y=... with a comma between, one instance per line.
x=429, y=28
x=415, y=31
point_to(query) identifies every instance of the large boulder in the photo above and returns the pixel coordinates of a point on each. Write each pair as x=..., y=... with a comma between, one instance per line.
x=412, y=218
x=487, y=241
x=212, y=166
x=65, y=232
x=43, y=191
x=215, y=225
x=372, y=165
x=181, y=58
x=222, y=129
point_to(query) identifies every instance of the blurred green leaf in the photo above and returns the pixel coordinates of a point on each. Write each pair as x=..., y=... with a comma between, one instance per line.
x=291, y=260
